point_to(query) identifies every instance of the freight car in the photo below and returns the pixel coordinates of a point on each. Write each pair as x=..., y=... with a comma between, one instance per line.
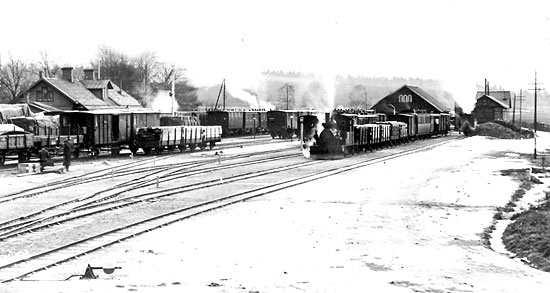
x=237, y=122
x=46, y=133
x=109, y=130
x=181, y=137
x=179, y=118
x=345, y=134
x=14, y=141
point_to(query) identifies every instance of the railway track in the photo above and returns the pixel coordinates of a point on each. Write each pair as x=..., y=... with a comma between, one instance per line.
x=107, y=199
x=30, y=264
x=132, y=168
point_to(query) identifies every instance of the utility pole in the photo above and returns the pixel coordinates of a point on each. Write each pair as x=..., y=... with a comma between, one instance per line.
x=536, y=89
x=287, y=96
x=520, y=104
x=514, y=111
x=173, y=95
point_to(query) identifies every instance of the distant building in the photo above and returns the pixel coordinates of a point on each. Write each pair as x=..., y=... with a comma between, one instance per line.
x=490, y=108
x=67, y=93
x=409, y=99
x=505, y=97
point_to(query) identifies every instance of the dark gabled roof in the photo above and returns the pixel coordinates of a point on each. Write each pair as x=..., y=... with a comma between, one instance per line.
x=421, y=93
x=503, y=105
x=76, y=92
x=121, y=98
x=431, y=100
x=504, y=97
x=97, y=84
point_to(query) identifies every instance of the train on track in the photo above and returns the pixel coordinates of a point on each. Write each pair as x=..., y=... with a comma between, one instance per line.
x=101, y=130
x=238, y=122
x=345, y=132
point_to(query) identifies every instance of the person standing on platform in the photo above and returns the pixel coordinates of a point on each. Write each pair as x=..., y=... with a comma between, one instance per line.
x=67, y=151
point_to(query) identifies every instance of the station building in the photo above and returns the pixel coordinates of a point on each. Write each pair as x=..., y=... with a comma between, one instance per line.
x=68, y=93
x=409, y=99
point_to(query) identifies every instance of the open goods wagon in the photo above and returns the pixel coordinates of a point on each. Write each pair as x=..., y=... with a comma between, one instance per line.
x=181, y=137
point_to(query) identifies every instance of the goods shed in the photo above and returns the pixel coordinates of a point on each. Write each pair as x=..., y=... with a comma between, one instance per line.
x=409, y=99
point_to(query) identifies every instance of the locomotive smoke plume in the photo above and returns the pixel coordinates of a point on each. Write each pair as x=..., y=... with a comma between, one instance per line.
x=252, y=100
x=163, y=102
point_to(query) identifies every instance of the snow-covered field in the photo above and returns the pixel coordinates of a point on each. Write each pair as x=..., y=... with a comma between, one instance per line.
x=412, y=224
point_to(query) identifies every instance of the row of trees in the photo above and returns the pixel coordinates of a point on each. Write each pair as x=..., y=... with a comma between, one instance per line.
x=142, y=76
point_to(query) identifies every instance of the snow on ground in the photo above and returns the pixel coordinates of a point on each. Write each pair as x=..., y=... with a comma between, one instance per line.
x=412, y=224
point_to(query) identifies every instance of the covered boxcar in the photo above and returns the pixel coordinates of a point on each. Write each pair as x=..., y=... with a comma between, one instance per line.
x=46, y=132
x=282, y=123
x=107, y=129
x=14, y=141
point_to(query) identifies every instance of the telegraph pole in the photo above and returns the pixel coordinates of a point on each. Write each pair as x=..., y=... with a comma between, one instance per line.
x=520, y=104
x=536, y=89
x=287, y=96
x=173, y=95
x=514, y=111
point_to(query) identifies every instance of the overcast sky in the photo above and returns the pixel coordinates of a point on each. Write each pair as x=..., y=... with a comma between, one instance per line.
x=458, y=42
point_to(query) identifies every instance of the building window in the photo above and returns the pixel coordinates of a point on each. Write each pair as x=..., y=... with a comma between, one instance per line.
x=46, y=95
x=405, y=98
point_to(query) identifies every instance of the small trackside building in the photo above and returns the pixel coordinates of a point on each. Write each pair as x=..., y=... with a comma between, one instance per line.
x=408, y=99
x=489, y=108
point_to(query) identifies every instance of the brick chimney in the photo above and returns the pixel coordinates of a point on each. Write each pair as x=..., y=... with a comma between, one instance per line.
x=89, y=74
x=67, y=73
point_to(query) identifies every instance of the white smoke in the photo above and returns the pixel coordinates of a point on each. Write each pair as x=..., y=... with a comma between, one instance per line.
x=252, y=100
x=163, y=102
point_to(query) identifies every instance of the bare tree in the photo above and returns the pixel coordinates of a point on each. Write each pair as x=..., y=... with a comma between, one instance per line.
x=147, y=65
x=165, y=72
x=15, y=77
x=48, y=69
